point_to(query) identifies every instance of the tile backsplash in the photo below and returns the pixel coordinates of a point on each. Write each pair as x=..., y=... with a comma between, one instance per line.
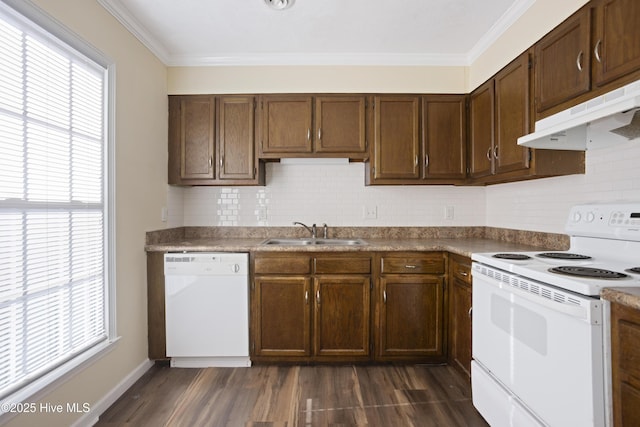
x=325, y=193
x=336, y=195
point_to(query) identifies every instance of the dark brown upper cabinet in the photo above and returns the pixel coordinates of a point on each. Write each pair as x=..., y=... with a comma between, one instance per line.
x=481, y=130
x=396, y=137
x=418, y=139
x=499, y=113
x=445, y=138
x=563, y=61
x=595, y=50
x=212, y=141
x=616, y=40
x=308, y=126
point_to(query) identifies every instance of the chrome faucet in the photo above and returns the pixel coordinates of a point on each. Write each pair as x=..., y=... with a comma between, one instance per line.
x=313, y=229
x=325, y=231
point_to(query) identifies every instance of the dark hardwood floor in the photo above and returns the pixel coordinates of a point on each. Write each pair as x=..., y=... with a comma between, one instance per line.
x=297, y=396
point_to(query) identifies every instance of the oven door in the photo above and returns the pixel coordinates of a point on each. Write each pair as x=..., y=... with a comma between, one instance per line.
x=541, y=351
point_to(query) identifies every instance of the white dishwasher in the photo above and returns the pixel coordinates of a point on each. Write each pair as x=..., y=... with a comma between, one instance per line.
x=207, y=309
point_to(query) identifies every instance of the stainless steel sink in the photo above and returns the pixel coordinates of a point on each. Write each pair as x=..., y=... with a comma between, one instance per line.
x=309, y=241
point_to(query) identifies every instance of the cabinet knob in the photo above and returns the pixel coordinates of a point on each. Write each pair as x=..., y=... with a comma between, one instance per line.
x=463, y=273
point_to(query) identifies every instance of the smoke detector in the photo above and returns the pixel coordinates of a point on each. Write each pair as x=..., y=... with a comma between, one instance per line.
x=279, y=4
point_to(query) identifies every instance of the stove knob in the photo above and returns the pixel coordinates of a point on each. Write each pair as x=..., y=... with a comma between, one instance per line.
x=577, y=217
x=590, y=217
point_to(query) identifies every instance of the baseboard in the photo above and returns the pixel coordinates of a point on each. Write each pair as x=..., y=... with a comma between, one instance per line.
x=98, y=408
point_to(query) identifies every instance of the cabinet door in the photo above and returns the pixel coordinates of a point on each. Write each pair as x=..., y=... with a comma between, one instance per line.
x=563, y=62
x=617, y=39
x=236, y=137
x=512, y=103
x=286, y=124
x=341, y=322
x=192, y=123
x=444, y=127
x=481, y=128
x=282, y=316
x=396, y=137
x=339, y=123
x=411, y=316
x=625, y=355
x=460, y=325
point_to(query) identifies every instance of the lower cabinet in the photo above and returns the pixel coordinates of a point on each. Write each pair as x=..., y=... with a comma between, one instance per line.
x=460, y=314
x=410, y=307
x=625, y=364
x=309, y=307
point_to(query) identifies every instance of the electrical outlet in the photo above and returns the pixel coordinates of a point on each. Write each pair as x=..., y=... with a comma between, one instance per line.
x=370, y=212
x=164, y=214
x=448, y=212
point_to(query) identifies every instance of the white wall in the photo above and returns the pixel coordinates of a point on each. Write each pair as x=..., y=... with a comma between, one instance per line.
x=332, y=194
x=141, y=158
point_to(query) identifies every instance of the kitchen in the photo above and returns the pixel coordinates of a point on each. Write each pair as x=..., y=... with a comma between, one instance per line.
x=142, y=86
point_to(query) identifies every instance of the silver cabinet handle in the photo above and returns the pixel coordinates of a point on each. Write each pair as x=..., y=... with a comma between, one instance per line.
x=384, y=296
x=495, y=152
x=308, y=134
x=470, y=311
x=579, y=61
x=306, y=297
x=319, y=133
x=318, y=296
x=489, y=154
x=463, y=273
x=221, y=161
x=426, y=161
x=596, y=50
x=210, y=162
x=410, y=266
x=416, y=160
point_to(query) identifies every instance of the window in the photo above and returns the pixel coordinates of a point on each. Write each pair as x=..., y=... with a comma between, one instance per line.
x=55, y=301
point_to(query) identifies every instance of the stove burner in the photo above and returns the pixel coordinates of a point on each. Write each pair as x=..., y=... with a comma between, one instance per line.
x=563, y=255
x=592, y=273
x=633, y=270
x=519, y=257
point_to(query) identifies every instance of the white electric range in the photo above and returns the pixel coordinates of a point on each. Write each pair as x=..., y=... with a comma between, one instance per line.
x=540, y=331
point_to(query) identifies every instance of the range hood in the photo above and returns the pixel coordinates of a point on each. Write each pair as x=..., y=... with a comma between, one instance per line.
x=600, y=122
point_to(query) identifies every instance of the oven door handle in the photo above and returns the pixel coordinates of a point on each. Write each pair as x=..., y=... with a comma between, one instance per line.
x=576, y=311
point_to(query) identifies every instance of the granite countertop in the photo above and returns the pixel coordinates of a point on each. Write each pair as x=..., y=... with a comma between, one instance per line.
x=625, y=296
x=462, y=241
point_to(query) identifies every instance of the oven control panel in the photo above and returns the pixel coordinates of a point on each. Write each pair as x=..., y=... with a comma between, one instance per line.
x=606, y=220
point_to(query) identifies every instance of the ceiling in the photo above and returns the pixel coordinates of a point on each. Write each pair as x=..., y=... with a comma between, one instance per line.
x=317, y=32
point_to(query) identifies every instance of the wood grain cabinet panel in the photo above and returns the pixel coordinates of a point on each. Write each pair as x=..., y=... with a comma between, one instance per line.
x=616, y=41
x=236, y=127
x=283, y=316
x=481, y=130
x=445, y=137
x=460, y=297
x=311, y=307
x=411, y=316
x=563, y=61
x=396, y=141
x=286, y=124
x=212, y=141
x=625, y=364
x=340, y=125
x=410, y=321
x=342, y=316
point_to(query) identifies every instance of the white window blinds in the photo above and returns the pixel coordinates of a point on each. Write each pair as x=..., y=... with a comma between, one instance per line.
x=53, y=286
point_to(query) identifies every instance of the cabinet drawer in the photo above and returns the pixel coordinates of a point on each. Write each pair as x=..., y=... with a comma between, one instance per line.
x=283, y=264
x=343, y=265
x=413, y=264
x=461, y=269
